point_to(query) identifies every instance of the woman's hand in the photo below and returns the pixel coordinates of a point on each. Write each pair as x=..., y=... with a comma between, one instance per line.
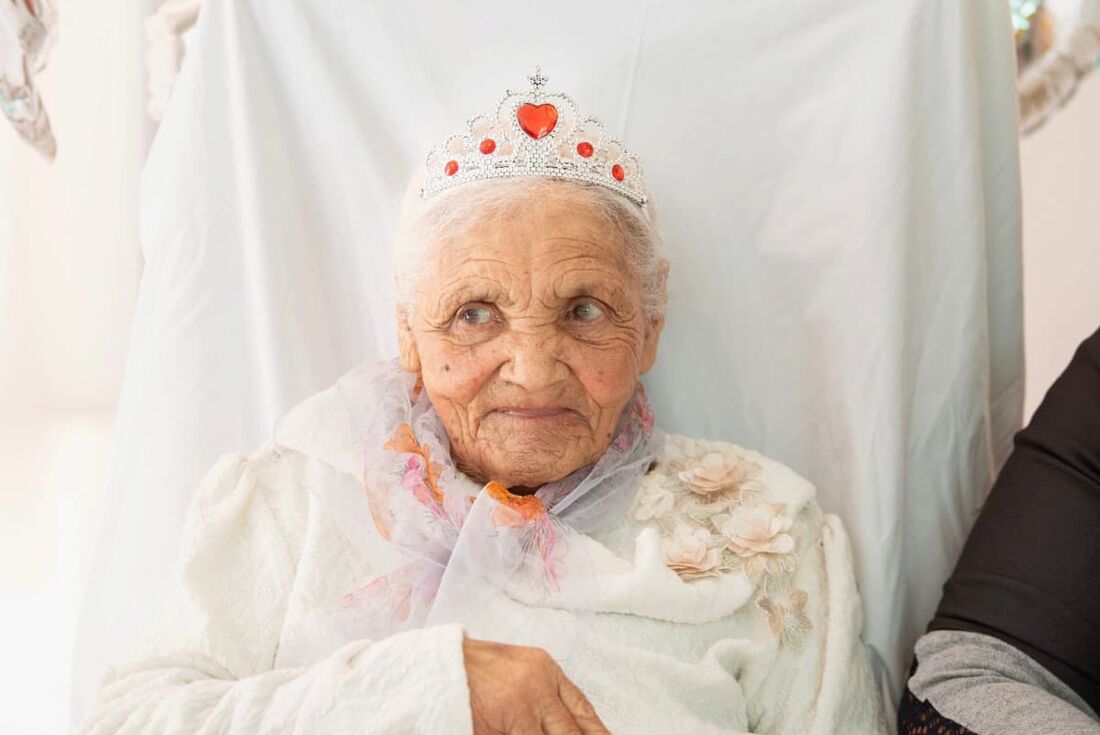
x=516, y=690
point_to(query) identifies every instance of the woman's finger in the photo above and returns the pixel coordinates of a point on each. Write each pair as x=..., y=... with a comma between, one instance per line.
x=584, y=714
x=558, y=720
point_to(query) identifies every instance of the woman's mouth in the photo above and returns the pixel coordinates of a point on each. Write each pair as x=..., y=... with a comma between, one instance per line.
x=533, y=412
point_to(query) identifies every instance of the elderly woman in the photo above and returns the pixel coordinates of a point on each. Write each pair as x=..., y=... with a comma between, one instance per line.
x=488, y=534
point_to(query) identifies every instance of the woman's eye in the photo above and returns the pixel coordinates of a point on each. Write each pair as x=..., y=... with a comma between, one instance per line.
x=475, y=316
x=586, y=311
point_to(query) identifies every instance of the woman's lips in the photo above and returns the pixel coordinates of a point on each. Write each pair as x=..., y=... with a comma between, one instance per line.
x=534, y=412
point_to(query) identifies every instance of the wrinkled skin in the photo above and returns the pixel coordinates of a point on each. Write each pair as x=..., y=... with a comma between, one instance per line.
x=522, y=691
x=529, y=335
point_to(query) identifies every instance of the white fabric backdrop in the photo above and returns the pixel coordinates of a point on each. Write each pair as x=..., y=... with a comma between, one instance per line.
x=838, y=183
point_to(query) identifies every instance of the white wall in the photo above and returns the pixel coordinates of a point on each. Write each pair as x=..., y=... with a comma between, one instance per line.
x=1061, y=183
x=69, y=268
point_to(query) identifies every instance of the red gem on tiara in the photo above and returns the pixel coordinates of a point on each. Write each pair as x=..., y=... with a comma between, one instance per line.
x=617, y=172
x=487, y=146
x=537, y=120
x=451, y=168
x=584, y=149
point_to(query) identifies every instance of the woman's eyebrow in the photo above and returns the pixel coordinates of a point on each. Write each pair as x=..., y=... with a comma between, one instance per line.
x=449, y=301
x=452, y=296
x=602, y=289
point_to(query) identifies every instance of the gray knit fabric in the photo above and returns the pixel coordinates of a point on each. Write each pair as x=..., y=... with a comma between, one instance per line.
x=992, y=688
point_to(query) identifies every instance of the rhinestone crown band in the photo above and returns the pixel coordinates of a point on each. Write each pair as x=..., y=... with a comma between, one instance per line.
x=534, y=133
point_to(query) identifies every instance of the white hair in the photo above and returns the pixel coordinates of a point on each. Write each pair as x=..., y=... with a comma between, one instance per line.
x=424, y=223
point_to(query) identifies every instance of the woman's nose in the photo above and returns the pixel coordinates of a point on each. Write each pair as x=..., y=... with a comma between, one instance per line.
x=532, y=360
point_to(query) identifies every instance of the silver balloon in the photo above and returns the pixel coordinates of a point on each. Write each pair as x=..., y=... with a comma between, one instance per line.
x=1057, y=45
x=27, y=32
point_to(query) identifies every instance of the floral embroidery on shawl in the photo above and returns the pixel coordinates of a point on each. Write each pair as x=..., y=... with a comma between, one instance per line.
x=692, y=552
x=516, y=511
x=644, y=421
x=715, y=475
x=787, y=616
x=421, y=473
x=758, y=534
x=420, y=476
x=711, y=521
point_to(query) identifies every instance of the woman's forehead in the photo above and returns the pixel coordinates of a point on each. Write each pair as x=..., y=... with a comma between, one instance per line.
x=543, y=236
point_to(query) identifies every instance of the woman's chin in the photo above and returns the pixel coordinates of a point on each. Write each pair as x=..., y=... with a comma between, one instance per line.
x=530, y=452
x=530, y=469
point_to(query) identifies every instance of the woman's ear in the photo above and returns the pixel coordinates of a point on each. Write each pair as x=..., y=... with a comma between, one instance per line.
x=653, y=332
x=406, y=342
x=649, y=348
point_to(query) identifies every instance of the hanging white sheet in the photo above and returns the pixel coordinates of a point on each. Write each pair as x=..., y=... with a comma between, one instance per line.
x=838, y=184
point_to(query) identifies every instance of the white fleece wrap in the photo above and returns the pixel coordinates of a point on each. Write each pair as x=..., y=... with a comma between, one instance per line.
x=254, y=638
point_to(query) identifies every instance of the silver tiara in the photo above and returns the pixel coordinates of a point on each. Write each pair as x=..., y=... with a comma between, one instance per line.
x=534, y=133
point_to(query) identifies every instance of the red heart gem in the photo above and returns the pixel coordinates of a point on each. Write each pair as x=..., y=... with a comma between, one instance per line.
x=537, y=120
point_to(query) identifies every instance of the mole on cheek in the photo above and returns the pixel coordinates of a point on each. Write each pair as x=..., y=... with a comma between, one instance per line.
x=446, y=368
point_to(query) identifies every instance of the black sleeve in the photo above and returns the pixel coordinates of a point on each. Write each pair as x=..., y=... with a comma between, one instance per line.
x=1030, y=571
x=917, y=717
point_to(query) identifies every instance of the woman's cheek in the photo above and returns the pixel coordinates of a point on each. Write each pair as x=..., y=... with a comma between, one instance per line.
x=607, y=374
x=456, y=371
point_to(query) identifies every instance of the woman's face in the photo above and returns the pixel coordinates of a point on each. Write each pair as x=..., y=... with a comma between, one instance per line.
x=529, y=336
